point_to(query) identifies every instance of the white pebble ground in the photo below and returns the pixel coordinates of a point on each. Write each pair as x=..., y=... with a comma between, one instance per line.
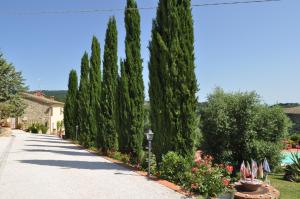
x=46, y=167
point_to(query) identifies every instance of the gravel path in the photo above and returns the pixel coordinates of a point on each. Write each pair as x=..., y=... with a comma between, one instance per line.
x=46, y=167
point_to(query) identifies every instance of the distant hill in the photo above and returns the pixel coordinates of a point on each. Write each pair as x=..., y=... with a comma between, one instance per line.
x=59, y=95
x=288, y=105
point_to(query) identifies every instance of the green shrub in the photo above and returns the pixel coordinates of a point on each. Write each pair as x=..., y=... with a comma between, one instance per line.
x=292, y=172
x=116, y=155
x=43, y=128
x=295, y=138
x=120, y=156
x=125, y=158
x=174, y=167
x=260, y=149
x=153, y=165
x=33, y=128
x=37, y=127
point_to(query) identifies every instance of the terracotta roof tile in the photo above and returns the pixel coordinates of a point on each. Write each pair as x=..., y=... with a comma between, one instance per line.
x=41, y=99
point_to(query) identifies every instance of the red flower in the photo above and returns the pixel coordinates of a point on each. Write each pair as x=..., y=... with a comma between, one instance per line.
x=194, y=186
x=225, y=182
x=229, y=168
x=194, y=169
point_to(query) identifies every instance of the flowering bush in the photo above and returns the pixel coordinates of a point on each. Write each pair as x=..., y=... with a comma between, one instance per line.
x=174, y=168
x=200, y=176
x=209, y=179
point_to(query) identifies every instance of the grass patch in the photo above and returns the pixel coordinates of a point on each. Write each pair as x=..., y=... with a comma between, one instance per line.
x=288, y=190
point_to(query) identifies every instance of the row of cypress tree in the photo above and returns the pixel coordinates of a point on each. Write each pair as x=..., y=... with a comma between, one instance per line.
x=109, y=108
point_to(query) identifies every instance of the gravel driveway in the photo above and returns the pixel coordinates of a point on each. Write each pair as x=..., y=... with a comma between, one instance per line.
x=46, y=167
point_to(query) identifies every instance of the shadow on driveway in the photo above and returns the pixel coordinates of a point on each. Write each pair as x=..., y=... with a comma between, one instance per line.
x=70, y=164
x=45, y=138
x=72, y=153
x=55, y=146
x=48, y=141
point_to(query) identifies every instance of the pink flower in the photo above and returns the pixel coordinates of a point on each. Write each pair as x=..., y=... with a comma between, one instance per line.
x=225, y=182
x=229, y=168
x=194, y=186
x=194, y=169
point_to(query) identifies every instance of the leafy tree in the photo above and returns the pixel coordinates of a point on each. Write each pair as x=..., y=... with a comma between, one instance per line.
x=5, y=110
x=11, y=85
x=95, y=89
x=71, y=108
x=108, y=121
x=84, y=102
x=134, y=93
x=173, y=83
x=236, y=127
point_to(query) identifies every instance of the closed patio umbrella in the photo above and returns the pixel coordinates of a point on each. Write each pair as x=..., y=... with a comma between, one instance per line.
x=266, y=168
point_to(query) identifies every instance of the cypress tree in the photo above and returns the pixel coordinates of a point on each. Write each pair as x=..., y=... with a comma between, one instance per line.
x=173, y=85
x=84, y=102
x=123, y=109
x=70, y=109
x=133, y=71
x=95, y=89
x=108, y=122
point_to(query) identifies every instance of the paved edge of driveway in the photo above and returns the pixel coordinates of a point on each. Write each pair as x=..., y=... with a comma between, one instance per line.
x=4, y=155
x=165, y=183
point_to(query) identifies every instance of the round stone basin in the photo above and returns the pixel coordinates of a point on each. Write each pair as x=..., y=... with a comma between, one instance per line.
x=258, y=191
x=249, y=185
x=263, y=192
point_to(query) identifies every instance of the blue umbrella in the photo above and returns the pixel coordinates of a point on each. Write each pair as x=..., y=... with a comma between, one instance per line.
x=266, y=166
x=267, y=169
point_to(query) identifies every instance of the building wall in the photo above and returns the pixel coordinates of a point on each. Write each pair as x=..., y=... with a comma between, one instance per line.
x=35, y=112
x=57, y=115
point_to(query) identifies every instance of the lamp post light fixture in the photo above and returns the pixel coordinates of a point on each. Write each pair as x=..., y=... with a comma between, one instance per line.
x=76, y=131
x=149, y=136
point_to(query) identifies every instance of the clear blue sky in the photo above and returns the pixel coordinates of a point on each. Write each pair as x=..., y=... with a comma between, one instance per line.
x=239, y=48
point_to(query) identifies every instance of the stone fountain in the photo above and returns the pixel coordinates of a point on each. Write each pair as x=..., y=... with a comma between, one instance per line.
x=254, y=189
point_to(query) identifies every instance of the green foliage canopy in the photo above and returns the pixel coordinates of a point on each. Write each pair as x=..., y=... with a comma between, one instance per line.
x=236, y=127
x=84, y=102
x=95, y=88
x=71, y=106
x=11, y=85
x=172, y=77
x=108, y=121
x=132, y=92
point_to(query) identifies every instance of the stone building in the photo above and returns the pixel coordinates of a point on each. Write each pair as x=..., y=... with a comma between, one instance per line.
x=294, y=114
x=42, y=110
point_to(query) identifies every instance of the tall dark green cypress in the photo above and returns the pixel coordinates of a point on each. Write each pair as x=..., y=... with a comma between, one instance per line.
x=133, y=71
x=70, y=109
x=108, y=121
x=123, y=110
x=84, y=102
x=173, y=83
x=95, y=90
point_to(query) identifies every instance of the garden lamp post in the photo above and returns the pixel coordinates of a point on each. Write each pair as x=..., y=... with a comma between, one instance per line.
x=76, y=131
x=149, y=136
